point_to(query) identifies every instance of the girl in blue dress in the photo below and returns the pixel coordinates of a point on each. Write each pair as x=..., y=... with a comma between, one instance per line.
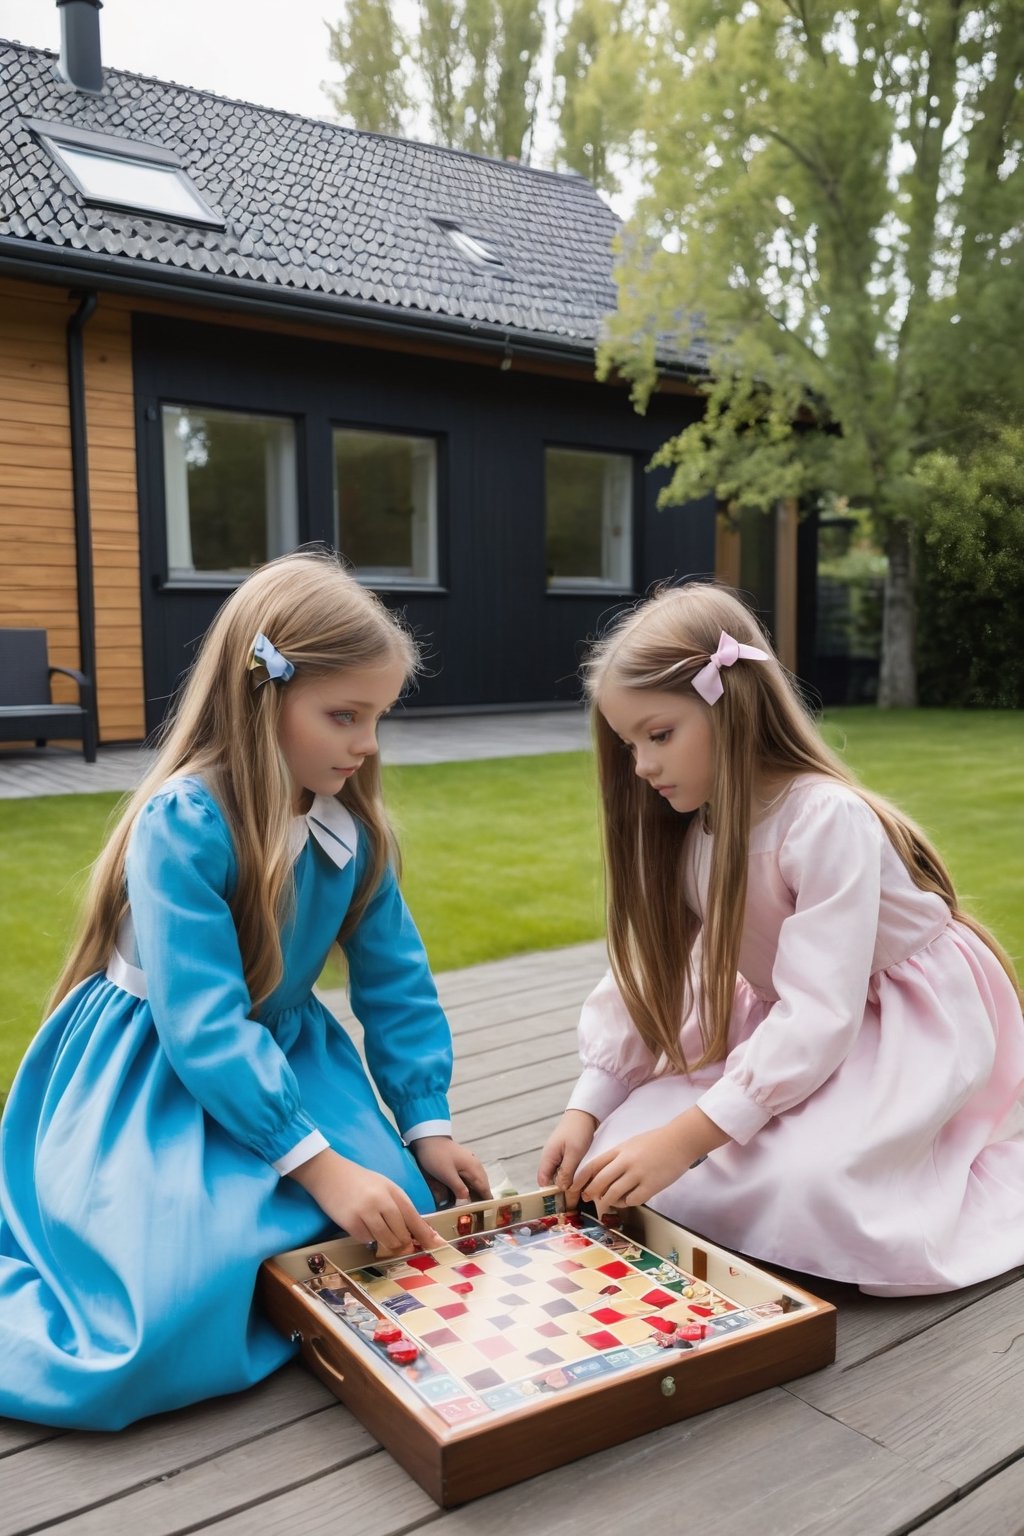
x=190, y=1106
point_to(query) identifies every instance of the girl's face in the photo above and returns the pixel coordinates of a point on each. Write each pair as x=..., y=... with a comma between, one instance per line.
x=669, y=737
x=328, y=725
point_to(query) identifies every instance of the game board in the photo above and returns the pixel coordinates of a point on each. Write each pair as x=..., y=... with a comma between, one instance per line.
x=533, y=1307
x=530, y=1311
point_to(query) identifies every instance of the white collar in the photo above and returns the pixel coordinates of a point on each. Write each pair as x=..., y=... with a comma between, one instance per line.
x=333, y=826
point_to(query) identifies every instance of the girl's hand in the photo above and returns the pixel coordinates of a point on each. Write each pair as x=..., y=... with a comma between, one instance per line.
x=565, y=1147
x=367, y=1205
x=447, y=1166
x=644, y=1165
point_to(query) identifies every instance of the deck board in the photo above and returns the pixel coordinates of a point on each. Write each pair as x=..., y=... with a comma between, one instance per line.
x=916, y=1427
x=761, y=1465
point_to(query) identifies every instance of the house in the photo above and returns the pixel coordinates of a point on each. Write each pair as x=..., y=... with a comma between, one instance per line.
x=227, y=330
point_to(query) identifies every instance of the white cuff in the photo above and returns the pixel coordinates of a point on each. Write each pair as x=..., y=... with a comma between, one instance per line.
x=733, y=1111
x=301, y=1153
x=427, y=1128
x=598, y=1092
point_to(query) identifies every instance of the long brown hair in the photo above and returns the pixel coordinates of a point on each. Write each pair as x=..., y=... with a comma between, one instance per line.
x=224, y=727
x=760, y=732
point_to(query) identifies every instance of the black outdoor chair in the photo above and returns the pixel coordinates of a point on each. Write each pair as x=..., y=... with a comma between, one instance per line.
x=26, y=710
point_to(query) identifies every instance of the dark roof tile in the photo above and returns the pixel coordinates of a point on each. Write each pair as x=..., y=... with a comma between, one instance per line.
x=311, y=206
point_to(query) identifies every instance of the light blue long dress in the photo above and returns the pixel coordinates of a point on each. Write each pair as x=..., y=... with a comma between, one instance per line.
x=138, y=1194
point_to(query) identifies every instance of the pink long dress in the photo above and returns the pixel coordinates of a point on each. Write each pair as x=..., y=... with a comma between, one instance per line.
x=874, y=1081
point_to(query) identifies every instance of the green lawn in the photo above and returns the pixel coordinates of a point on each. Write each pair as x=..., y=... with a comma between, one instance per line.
x=503, y=856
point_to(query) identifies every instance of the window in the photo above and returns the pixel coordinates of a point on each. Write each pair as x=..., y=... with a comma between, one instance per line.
x=230, y=491
x=385, y=505
x=127, y=174
x=470, y=246
x=589, y=518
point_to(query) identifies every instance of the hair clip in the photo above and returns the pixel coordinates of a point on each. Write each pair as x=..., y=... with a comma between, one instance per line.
x=265, y=654
x=708, y=681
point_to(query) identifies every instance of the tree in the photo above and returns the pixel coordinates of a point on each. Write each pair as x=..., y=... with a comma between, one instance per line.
x=373, y=93
x=837, y=212
x=477, y=65
x=476, y=62
x=599, y=70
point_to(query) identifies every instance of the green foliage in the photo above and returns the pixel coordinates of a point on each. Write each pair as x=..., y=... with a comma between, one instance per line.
x=827, y=191
x=368, y=47
x=851, y=574
x=475, y=62
x=478, y=65
x=971, y=623
x=835, y=211
x=599, y=73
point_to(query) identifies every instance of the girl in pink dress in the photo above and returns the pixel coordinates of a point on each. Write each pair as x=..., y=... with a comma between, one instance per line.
x=845, y=1094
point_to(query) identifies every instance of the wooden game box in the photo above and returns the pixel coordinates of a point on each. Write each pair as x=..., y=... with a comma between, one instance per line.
x=537, y=1336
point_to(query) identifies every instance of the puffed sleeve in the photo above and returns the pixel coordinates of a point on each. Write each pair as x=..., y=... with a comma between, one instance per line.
x=615, y=1059
x=831, y=860
x=407, y=1040
x=181, y=872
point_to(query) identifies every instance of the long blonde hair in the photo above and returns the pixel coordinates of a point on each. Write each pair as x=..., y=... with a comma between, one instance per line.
x=759, y=728
x=224, y=727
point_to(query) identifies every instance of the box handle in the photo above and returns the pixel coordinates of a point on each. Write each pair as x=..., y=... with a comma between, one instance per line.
x=324, y=1363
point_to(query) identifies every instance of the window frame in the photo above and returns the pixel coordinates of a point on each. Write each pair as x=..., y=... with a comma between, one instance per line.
x=388, y=582
x=110, y=146
x=589, y=586
x=175, y=578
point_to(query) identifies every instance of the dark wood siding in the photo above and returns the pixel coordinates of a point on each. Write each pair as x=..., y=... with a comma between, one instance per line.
x=496, y=635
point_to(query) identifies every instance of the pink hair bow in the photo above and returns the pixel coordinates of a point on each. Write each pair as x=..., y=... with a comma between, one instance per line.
x=708, y=681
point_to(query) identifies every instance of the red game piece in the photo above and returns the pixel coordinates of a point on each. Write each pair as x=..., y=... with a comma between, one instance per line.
x=403, y=1352
x=662, y=1324
x=464, y=1224
x=692, y=1331
x=386, y=1333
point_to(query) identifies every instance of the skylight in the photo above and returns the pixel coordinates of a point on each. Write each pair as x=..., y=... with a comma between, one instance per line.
x=120, y=173
x=470, y=246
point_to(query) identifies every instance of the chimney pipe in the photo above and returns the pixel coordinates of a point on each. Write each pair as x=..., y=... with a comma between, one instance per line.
x=80, y=62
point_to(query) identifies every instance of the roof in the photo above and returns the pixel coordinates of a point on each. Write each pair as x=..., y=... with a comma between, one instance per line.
x=315, y=213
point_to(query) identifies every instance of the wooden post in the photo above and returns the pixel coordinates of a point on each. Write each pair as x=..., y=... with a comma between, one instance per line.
x=785, y=581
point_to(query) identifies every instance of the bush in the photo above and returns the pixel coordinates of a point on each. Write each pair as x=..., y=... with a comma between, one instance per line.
x=971, y=578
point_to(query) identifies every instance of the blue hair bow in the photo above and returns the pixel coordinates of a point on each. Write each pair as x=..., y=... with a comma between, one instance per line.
x=265, y=654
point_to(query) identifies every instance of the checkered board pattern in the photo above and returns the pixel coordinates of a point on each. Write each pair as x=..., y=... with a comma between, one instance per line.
x=500, y=1317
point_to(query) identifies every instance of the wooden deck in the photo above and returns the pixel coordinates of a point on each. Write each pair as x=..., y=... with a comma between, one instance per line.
x=919, y=1425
